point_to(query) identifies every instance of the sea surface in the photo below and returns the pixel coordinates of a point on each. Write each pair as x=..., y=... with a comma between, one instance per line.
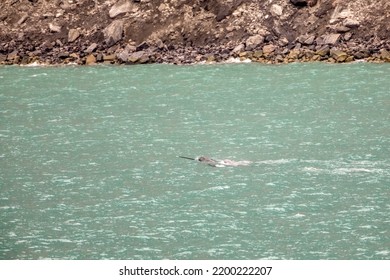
x=89, y=165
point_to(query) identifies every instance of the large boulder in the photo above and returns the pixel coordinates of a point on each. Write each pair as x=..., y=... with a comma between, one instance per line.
x=339, y=56
x=331, y=39
x=238, y=49
x=306, y=39
x=91, y=48
x=253, y=42
x=121, y=7
x=268, y=49
x=13, y=56
x=138, y=57
x=123, y=56
x=3, y=58
x=113, y=33
x=385, y=55
x=109, y=57
x=90, y=60
x=323, y=50
x=294, y=54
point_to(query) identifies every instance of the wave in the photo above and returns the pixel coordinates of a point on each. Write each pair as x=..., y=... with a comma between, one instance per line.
x=276, y=161
x=339, y=167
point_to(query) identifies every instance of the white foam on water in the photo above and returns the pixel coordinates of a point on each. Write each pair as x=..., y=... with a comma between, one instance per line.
x=356, y=170
x=38, y=75
x=148, y=249
x=312, y=169
x=383, y=253
x=218, y=188
x=299, y=215
x=35, y=64
x=276, y=161
x=274, y=208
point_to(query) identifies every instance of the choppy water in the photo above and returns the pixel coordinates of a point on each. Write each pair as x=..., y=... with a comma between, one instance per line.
x=89, y=166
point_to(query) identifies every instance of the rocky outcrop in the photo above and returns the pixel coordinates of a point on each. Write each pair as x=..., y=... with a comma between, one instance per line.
x=187, y=31
x=113, y=33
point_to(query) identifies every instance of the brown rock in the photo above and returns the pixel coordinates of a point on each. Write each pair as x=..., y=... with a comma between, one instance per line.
x=351, y=23
x=123, y=55
x=222, y=9
x=323, y=51
x=385, y=55
x=121, y=7
x=361, y=54
x=257, y=54
x=283, y=42
x=294, y=54
x=59, y=43
x=238, y=49
x=144, y=59
x=109, y=57
x=74, y=55
x=306, y=39
x=276, y=10
x=25, y=60
x=73, y=35
x=91, y=59
x=99, y=57
x=309, y=40
x=113, y=32
x=63, y=55
x=316, y=57
x=268, y=49
x=137, y=57
x=22, y=19
x=3, y=58
x=91, y=48
x=331, y=39
x=347, y=36
x=210, y=58
x=279, y=58
x=341, y=28
x=309, y=54
x=338, y=56
x=350, y=58
x=54, y=27
x=253, y=42
x=13, y=56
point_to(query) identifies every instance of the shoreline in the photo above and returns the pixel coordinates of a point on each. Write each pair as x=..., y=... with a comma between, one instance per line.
x=37, y=64
x=268, y=54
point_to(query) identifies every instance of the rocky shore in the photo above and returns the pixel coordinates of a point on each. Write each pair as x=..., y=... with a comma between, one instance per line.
x=193, y=31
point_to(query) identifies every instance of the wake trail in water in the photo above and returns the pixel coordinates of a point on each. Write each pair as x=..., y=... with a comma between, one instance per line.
x=333, y=167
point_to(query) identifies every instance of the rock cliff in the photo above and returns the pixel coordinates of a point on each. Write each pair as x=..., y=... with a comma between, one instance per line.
x=187, y=31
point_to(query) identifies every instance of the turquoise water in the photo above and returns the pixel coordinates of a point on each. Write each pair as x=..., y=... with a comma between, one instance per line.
x=89, y=165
